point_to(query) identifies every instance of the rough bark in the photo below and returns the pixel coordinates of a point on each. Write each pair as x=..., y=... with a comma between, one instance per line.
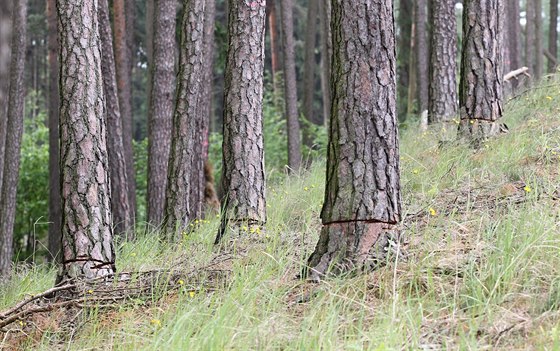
x=422, y=54
x=553, y=35
x=243, y=179
x=161, y=107
x=539, y=57
x=443, y=62
x=5, y=53
x=55, y=206
x=123, y=215
x=362, y=196
x=326, y=54
x=290, y=87
x=404, y=56
x=480, y=91
x=123, y=61
x=87, y=233
x=14, y=132
x=186, y=139
x=309, y=68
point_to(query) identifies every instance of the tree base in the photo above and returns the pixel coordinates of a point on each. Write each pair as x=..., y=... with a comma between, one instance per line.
x=479, y=130
x=348, y=246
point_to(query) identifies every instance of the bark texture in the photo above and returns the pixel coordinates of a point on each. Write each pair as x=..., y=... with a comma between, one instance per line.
x=5, y=53
x=443, y=62
x=480, y=92
x=14, y=132
x=290, y=87
x=403, y=56
x=123, y=60
x=422, y=54
x=161, y=107
x=87, y=233
x=55, y=205
x=184, y=194
x=362, y=195
x=123, y=214
x=309, y=67
x=243, y=179
x=553, y=35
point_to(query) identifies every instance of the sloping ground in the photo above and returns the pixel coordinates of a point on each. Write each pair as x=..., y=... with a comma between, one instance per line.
x=479, y=267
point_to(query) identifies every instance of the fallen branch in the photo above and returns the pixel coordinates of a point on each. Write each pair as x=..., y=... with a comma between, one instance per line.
x=48, y=292
x=516, y=73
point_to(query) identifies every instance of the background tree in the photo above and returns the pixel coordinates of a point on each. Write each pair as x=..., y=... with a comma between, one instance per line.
x=530, y=54
x=480, y=91
x=422, y=53
x=55, y=205
x=443, y=62
x=5, y=54
x=123, y=213
x=309, y=68
x=162, y=101
x=362, y=196
x=539, y=57
x=290, y=87
x=403, y=56
x=553, y=35
x=243, y=180
x=274, y=34
x=326, y=54
x=14, y=132
x=513, y=34
x=87, y=233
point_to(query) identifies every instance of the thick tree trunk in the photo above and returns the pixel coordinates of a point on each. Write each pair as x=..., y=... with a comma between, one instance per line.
x=5, y=54
x=539, y=56
x=422, y=55
x=14, y=132
x=123, y=59
x=309, y=68
x=161, y=107
x=362, y=196
x=480, y=91
x=87, y=233
x=443, y=72
x=326, y=54
x=404, y=56
x=290, y=87
x=184, y=197
x=55, y=206
x=122, y=212
x=553, y=35
x=243, y=180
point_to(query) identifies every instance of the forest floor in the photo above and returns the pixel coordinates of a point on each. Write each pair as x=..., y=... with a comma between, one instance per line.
x=479, y=268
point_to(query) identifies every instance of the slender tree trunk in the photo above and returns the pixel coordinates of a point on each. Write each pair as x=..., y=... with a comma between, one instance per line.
x=186, y=141
x=5, y=54
x=422, y=54
x=14, y=132
x=514, y=34
x=274, y=42
x=122, y=212
x=404, y=56
x=290, y=87
x=539, y=54
x=309, y=68
x=362, y=197
x=553, y=35
x=161, y=107
x=150, y=7
x=55, y=206
x=412, y=76
x=326, y=54
x=443, y=72
x=480, y=91
x=530, y=36
x=123, y=61
x=87, y=233
x=243, y=180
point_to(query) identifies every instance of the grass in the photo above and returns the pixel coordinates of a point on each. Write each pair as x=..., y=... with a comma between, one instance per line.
x=480, y=270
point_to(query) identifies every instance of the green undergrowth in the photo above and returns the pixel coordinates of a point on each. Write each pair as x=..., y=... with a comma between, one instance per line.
x=479, y=267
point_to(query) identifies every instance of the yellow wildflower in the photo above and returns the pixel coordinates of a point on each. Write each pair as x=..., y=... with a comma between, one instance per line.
x=155, y=322
x=527, y=189
x=432, y=212
x=549, y=97
x=180, y=282
x=472, y=121
x=90, y=291
x=133, y=254
x=415, y=171
x=306, y=188
x=191, y=294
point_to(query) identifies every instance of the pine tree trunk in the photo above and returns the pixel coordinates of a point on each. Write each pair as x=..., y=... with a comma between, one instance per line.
x=14, y=132
x=309, y=69
x=539, y=57
x=514, y=34
x=186, y=140
x=404, y=56
x=274, y=43
x=530, y=36
x=553, y=35
x=161, y=107
x=87, y=233
x=123, y=59
x=443, y=72
x=422, y=55
x=480, y=91
x=6, y=12
x=362, y=196
x=243, y=179
x=326, y=54
x=55, y=206
x=290, y=87
x=122, y=212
